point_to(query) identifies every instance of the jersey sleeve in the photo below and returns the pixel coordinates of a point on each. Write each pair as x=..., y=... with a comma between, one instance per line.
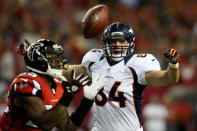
x=90, y=58
x=26, y=86
x=144, y=64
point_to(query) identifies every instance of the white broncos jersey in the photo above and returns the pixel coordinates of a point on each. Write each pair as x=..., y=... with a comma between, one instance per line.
x=118, y=105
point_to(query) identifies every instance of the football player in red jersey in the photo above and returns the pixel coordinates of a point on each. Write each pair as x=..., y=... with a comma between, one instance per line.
x=38, y=99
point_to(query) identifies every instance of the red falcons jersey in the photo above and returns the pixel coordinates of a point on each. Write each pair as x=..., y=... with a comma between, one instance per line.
x=28, y=84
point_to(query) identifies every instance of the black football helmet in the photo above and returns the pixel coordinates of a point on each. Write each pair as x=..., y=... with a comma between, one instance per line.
x=40, y=55
x=114, y=31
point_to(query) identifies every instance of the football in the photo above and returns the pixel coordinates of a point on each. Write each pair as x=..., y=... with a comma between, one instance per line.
x=95, y=21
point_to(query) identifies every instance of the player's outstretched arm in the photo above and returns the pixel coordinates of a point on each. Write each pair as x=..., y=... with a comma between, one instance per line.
x=166, y=77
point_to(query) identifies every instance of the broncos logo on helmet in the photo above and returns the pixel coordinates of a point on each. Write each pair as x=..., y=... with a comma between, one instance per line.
x=117, y=31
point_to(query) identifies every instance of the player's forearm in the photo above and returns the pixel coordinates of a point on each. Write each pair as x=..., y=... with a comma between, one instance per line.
x=76, y=119
x=51, y=118
x=163, y=78
x=67, y=125
x=36, y=111
x=173, y=73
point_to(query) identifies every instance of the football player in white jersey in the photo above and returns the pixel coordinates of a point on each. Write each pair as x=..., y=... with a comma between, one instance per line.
x=118, y=104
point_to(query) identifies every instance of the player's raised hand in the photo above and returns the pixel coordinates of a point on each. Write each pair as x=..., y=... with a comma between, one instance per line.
x=172, y=55
x=76, y=82
x=91, y=91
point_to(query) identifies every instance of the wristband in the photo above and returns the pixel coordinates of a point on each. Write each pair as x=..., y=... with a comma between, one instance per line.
x=66, y=99
x=78, y=116
x=174, y=66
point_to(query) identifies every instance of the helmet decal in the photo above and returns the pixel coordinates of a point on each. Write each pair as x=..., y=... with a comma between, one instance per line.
x=45, y=57
x=117, y=25
x=34, y=48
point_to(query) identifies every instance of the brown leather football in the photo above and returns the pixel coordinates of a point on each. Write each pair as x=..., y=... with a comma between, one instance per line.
x=95, y=21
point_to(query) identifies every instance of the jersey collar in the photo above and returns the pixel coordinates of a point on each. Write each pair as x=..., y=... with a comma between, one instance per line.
x=126, y=59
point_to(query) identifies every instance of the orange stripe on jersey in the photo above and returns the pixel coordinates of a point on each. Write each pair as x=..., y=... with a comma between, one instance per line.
x=117, y=25
x=133, y=95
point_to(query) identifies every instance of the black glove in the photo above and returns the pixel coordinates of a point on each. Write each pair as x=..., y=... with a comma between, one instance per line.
x=172, y=55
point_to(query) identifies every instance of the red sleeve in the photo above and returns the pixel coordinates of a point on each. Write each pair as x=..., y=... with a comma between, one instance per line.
x=27, y=86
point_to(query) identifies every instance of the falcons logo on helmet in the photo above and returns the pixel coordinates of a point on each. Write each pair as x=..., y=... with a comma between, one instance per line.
x=34, y=49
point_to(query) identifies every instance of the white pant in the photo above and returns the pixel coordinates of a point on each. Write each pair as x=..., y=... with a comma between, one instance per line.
x=94, y=129
x=141, y=129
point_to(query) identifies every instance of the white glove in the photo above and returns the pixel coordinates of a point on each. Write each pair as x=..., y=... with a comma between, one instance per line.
x=91, y=91
x=55, y=73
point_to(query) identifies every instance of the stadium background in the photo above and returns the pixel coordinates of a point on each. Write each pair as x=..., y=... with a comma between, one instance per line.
x=157, y=24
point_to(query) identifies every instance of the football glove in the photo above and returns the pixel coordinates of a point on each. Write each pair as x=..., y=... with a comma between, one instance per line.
x=91, y=91
x=172, y=55
x=76, y=82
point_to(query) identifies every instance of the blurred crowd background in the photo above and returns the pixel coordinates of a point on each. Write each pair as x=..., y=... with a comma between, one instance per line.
x=157, y=24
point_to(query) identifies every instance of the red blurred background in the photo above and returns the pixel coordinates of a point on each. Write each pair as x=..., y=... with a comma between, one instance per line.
x=157, y=24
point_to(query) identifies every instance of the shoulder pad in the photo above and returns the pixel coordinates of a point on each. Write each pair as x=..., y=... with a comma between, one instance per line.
x=31, y=75
x=27, y=83
x=143, y=63
x=145, y=58
x=92, y=55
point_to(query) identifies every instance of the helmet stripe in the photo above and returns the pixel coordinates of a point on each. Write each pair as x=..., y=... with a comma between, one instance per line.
x=117, y=25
